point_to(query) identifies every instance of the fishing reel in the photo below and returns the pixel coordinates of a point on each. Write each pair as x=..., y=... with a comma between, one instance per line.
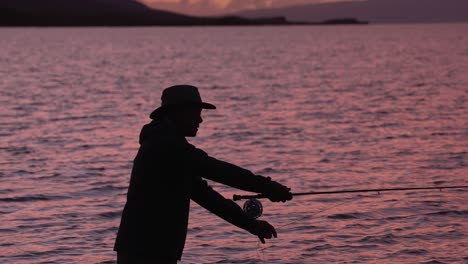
x=253, y=208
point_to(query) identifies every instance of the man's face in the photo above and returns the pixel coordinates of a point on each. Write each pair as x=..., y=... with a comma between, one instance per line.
x=188, y=121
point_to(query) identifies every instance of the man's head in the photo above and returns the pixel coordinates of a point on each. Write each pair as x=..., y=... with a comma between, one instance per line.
x=182, y=104
x=186, y=120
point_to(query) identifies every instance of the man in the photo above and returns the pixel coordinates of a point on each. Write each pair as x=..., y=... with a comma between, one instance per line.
x=167, y=173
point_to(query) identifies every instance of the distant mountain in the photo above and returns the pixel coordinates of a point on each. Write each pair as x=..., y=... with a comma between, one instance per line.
x=106, y=13
x=83, y=12
x=374, y=11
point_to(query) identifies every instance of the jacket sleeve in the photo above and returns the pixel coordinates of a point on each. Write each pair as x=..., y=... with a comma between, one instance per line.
x=224, y=172
x=214, y=202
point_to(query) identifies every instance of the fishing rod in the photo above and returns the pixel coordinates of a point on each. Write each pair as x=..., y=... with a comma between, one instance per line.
x=261, y=196
x=254, y=208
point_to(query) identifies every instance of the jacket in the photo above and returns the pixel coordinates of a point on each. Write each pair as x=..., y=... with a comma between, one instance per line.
x=167, y=173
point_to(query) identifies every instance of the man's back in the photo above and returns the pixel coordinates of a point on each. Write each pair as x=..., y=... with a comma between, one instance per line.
x=158, y=197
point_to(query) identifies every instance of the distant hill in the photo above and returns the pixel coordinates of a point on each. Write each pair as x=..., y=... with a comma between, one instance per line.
x=82, y=12
x=374, y=11
x=106, y=13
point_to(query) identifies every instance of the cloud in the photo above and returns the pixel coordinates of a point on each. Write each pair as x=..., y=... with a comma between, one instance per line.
x=219, y=7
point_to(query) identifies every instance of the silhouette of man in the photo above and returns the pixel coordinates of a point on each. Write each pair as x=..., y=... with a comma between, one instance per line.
x=167, y=173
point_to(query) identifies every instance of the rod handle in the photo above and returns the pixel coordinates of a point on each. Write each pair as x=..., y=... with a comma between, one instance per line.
x=237, y=197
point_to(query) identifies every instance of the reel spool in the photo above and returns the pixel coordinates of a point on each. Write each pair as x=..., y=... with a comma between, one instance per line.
x=253, y=208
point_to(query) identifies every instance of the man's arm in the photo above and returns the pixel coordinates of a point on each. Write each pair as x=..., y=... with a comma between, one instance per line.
x=214, y=202
x=234, y=176
x=228, y=210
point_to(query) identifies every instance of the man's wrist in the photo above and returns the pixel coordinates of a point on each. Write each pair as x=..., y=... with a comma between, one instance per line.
x=251, y=225
x=266, y=182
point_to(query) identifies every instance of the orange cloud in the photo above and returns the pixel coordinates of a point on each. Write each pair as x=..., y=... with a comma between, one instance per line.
x=220, y=7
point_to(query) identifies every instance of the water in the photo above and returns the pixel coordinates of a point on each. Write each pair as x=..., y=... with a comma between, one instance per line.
x=317, y=108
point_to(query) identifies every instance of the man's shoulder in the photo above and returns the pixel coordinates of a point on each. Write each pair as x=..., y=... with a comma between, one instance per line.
x=165, y=141
x=160, y=134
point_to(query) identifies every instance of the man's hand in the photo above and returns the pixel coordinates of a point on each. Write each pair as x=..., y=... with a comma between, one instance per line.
x=263, y=230
x=277, y=192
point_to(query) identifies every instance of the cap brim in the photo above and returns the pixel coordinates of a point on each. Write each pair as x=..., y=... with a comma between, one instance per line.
x=158, y=111
x=207, y=106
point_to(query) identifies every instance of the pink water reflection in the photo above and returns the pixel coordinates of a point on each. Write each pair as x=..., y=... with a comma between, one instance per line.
x=346, y=108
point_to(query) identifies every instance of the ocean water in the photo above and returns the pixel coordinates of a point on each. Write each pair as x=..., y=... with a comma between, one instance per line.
x=316, y=108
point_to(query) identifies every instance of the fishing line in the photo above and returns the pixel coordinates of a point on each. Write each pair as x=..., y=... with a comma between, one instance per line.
x=260, y=252
x=314, y=214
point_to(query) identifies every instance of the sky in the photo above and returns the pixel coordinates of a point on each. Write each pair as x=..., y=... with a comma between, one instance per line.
x=221, y=7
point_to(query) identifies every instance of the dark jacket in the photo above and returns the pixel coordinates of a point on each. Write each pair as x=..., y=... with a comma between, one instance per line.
x=167, y=173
